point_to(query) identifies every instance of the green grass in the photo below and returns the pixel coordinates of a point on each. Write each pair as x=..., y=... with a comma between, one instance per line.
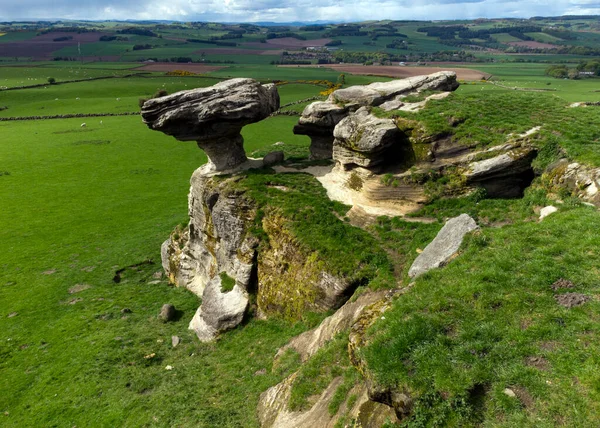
x=28, y=76
x=466, y=332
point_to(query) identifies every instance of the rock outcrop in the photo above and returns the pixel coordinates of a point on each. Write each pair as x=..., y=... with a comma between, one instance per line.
x=361, y=139
x=319, y=119
x=580, y=180
x=444, y=246
x=213, y=117
x=273, y=411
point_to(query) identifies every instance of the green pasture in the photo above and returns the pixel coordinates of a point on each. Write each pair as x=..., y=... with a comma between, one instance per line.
x=33, y=75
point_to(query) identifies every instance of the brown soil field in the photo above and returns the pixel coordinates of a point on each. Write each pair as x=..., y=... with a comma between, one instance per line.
x=533, y=45
x=171, y=66
x=402, y=72
x=42, y=47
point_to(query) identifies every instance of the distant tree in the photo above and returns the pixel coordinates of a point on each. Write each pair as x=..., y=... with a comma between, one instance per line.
x=51, y=80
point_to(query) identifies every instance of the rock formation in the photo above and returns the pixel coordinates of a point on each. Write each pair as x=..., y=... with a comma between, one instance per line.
x=319, y=119
x=213, y=117
x=362, y=139
x=578, y=179
x=444, y=246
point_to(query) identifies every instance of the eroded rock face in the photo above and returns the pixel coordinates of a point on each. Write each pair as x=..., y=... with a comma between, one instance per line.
x=580, y=180
x=319, y=119
x=505, y=175
x=220, y=311
x=444, y=245
x=362, y=139
x=216, y=239
x=213, y=117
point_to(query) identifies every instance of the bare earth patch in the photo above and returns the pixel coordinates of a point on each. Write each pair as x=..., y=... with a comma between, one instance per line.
x=571, y=300
x=169, y=66
x=402, y=72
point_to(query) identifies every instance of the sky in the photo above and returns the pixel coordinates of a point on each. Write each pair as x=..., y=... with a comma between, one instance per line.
x=290, y=10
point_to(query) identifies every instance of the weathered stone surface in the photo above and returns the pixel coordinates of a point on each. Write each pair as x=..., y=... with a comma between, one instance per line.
x=219, y=311
x=213, y=117
x=362, y=139
x=175, y=341
x=167, y=312
x=505, y=175
x=581, y=180
x=216, y=239
x=444, y=246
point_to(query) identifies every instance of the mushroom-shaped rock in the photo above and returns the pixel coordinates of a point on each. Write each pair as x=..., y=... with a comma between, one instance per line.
x=213, y=117
x=364, y=140
x=318, y=121
x=219, y=311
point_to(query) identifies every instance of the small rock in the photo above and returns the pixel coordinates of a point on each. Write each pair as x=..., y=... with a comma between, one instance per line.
x=546, y=211
x=167, y=313
x=273, y=158
x=150, y=356
x=169, y=368
x=175, y=341
x=510, y=392
x=13, y=314
x=157, y=275
x=260, y=372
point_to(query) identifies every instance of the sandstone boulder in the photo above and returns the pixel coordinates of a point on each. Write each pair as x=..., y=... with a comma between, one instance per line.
x=444, y=246
x=213, y=117
x=219, y=311
x=362, y=139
